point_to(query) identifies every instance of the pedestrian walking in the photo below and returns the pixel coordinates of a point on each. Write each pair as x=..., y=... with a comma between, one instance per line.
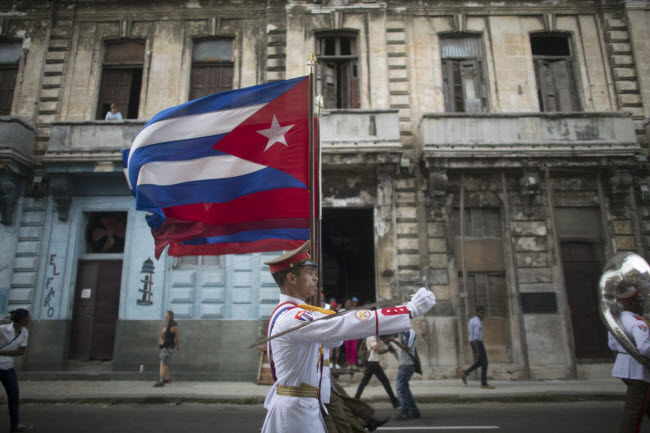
x=168, y=341
x=407, y=360
x=375, y=348
x=13, y=343
x=635, y=376
x=296, y=357
x=475, y=336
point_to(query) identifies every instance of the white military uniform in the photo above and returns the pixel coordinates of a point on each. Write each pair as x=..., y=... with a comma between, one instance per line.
x=297, y=363
x=626, y=367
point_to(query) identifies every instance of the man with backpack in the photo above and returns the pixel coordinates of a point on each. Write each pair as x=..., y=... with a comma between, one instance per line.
x=371, y=348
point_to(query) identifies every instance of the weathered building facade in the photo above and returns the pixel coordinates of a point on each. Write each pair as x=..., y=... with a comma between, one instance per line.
x=494, y=150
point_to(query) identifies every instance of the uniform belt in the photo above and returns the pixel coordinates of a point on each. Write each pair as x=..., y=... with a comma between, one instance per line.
x=326, y=363
x=304, y=390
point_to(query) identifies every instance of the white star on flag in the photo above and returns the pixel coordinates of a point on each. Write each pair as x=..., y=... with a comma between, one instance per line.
x=275, y=133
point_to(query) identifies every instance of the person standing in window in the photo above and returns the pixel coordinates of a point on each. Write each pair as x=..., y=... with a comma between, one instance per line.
x=113, y=114
x=475, y=330
x=169, y=339
x=13, y=342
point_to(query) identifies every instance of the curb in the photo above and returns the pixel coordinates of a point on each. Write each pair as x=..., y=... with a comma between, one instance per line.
x=444, y=399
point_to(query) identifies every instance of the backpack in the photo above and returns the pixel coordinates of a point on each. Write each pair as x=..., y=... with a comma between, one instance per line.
x=362, y=352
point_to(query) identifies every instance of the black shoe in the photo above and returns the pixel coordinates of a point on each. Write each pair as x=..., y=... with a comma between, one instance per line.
x=167, y=381
x=373, y=423
x=402, y=416
x=158, y=384
x=416, y=415
x=396, y=404
x=21, y=427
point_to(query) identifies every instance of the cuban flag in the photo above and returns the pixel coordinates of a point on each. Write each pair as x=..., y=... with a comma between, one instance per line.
x=227, y=173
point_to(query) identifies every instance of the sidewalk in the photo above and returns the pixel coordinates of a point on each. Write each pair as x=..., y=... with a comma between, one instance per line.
x=449, y=391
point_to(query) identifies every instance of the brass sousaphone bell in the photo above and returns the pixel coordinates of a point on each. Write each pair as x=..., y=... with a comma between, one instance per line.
x=623, y=275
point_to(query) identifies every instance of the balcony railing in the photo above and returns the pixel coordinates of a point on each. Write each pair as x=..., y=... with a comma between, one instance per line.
x=90, y=140
x=593, y=134
x=17, y=139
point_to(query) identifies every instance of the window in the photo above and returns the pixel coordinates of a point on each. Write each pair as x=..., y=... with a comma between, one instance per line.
x=9, y=58
x=121, y=79
x=194, y=262
x=462, y=75
x=484, y=259
x=212, y=67
x=337, y=72
x=105, y=232
x=556, y=86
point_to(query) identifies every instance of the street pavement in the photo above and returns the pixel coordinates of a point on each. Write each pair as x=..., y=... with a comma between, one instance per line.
x=447, y=390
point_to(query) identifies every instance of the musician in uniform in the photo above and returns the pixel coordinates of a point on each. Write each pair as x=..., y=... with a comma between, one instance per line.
x=632, y=372
x=343, y=413
x=296, y=358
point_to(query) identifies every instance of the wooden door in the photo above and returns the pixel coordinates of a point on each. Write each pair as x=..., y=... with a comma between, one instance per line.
x=210, y=79
x=582, y=271
x=115, y=88
x=97, y=299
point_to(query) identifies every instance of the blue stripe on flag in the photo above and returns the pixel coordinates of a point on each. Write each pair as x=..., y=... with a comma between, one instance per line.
x=150, y=197
x=181, y=150
x=251, y=236
x=260, y=94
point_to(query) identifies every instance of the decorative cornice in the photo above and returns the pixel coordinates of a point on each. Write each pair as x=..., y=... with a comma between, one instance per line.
x=9, y=192
x=61, y=190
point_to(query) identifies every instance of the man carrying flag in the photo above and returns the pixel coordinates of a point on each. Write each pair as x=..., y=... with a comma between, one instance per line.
x=227, y=173
x=296, y=358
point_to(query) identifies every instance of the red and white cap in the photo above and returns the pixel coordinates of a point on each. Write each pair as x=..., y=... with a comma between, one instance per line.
x=291, y=259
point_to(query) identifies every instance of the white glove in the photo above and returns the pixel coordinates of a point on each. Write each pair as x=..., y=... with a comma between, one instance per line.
x=421, y=302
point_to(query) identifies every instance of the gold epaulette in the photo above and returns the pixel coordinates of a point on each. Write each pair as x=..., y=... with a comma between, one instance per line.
x=319, y=309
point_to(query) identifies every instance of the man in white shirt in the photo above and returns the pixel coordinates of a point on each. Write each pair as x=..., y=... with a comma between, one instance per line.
x=373, y=367
x=296, y=358
x=13, y=342
x=475, y=336
x=632, y=372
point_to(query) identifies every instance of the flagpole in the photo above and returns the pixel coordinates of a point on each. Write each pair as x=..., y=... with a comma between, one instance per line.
x=314, y=229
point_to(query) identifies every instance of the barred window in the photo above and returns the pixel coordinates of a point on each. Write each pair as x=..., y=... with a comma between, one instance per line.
x=484, y=260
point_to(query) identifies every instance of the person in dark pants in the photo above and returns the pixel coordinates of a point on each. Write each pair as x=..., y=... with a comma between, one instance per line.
x=406, y=342
x=475, y=331
x=373, y=367
x=13, y=342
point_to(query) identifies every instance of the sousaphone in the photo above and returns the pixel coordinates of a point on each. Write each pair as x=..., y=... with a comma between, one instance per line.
x=624, y=274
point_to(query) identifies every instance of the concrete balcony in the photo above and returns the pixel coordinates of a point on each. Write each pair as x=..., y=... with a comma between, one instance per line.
x=528, y=135
x=17, y=140
x=360, y=137
x=94, y=142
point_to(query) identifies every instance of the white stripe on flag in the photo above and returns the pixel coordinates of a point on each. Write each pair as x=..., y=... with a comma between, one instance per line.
x=193, y=126
x=211, y=167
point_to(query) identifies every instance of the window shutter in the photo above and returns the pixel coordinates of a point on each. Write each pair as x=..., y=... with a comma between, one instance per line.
x=470, y=86
x=329, y=84
x=355, y=101
x=566, y=94
x=545, y=86
x=7, y=86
